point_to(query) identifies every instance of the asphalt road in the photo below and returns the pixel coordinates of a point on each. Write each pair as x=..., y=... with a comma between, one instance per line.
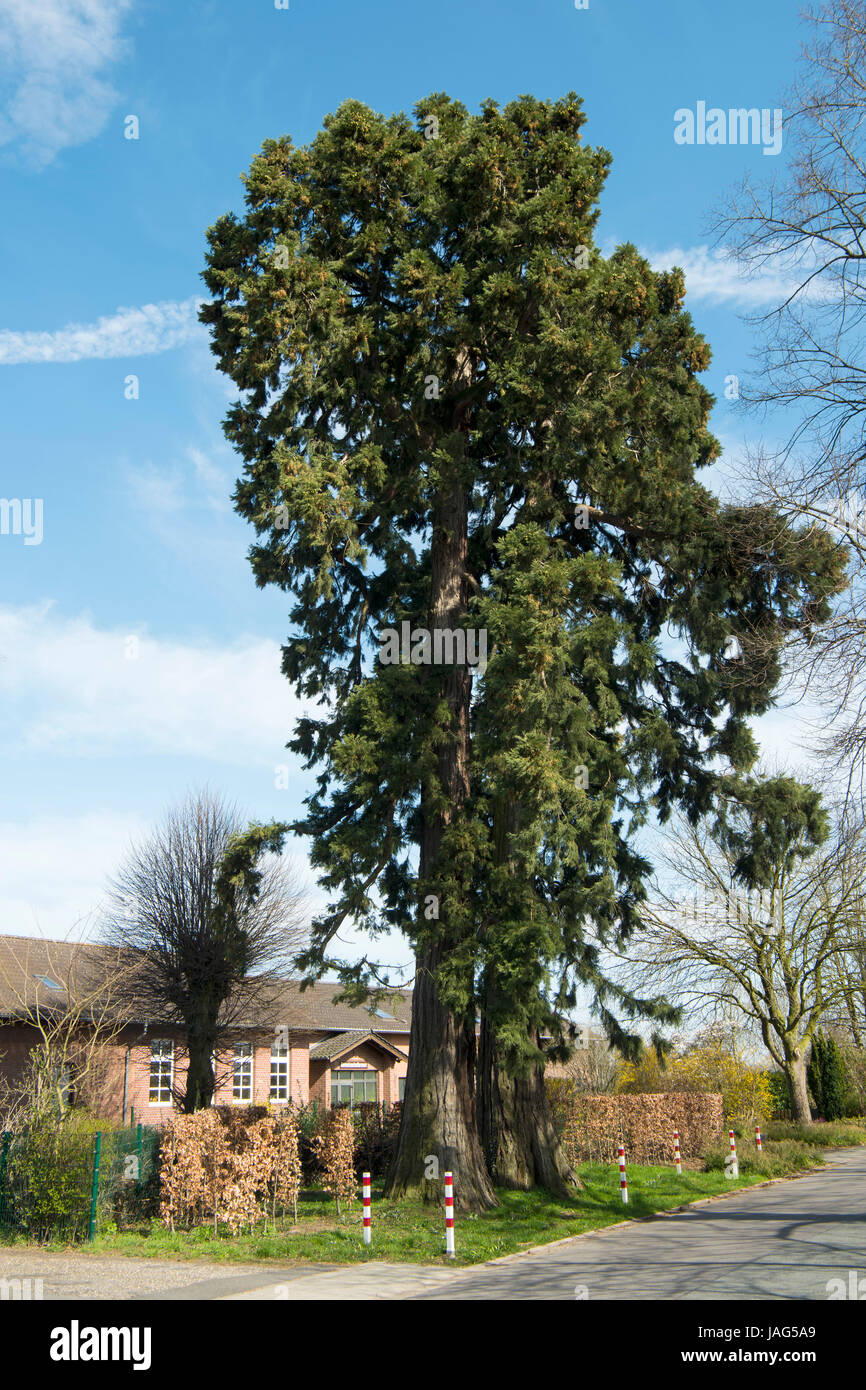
x=785, y=1241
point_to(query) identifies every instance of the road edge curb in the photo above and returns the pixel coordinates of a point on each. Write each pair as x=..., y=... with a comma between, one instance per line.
x=642, y=1220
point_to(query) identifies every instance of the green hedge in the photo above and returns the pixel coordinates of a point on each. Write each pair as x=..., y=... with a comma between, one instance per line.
x=47, y=1177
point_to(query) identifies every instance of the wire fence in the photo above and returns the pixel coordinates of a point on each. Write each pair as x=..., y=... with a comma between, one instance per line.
x=64, y=1178
x=67, y=1182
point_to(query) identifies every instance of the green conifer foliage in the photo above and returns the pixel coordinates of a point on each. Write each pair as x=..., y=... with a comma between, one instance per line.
x=454, y=412
x=832, y=1081
x=826, y=1076
x=815, y=1072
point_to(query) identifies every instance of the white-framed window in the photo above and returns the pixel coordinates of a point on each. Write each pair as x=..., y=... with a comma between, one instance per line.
x=161, y=1071
x=279, y=1073
x=401, y=1088
x=242, y=1073
x=353, y=1086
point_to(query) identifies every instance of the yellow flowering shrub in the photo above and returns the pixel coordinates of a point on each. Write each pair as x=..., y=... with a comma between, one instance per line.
x=711, y=1066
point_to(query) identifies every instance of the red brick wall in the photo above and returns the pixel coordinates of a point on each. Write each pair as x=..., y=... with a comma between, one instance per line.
x=138, y=1074
x=16, y=1040
x=126, y=1067
x=320, y=1083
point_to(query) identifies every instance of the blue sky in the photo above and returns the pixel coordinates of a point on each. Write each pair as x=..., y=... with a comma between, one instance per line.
x=137, y=658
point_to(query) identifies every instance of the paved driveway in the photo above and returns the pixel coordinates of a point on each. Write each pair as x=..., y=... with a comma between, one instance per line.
x=81, y=1277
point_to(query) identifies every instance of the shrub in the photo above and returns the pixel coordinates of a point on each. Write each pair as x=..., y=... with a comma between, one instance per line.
x=335, y=1145
x=189, y=1162
x=131, y=1200
x=826, y=1076
x=286, y=1173
x=234, y=1166
x=779, y=1092
x=375, y=1136
x=645, y=1077
x=49, y=1174
x=833, y=1083
x=310, y=1119
x=713, y=1067
x=591, y=1127
x=854, y=1065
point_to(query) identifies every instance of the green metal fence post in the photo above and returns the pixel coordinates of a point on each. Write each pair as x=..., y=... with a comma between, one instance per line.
x=4, y=1150
x=95, y=1192
x=139, y=1159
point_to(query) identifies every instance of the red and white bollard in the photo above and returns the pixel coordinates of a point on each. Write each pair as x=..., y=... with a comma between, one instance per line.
x=365, y=1190
x=677, y=1158
x=623, y=1180
x=758, y=1145
x=449, y=1215
x=735, y=1167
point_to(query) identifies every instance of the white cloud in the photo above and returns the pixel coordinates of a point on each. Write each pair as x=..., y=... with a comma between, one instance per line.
x=72, y=689
x=194, y=483
x=127, y=333
x=53, y=871
x=53, y=57
x=133, y=332
x=714, y=276
x=717, y=278
x=154, y=491
x=216, y=484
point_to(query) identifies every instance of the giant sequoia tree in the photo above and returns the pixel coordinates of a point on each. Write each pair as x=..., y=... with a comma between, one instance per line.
x=455, y=414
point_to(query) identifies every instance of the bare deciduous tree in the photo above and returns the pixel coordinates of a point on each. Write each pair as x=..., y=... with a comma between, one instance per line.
x=808, y=227
x=848, y=973
x=216, y=918
x=592, y=1068
x=772, y=957
x=69, y=994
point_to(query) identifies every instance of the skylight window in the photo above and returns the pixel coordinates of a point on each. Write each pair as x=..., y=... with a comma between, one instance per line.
x=380, y=1013
x=47, y=981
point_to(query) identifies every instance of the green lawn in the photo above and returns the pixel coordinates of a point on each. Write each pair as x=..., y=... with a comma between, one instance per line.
x=410, y=1231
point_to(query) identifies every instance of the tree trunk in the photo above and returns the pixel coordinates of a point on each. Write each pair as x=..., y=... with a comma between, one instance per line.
x=853, y=1020
x=795, y=1071
x=518, y=1136
x=200, y=1083
x=438, y=1129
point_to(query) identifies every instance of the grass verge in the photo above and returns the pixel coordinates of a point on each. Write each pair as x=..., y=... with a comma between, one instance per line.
x=411, y=1232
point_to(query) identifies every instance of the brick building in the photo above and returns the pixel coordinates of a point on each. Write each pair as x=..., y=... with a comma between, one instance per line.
x=301, y=1047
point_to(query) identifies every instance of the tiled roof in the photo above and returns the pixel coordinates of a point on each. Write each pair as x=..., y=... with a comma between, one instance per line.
x=331, y=1048
x=315, y=1008
x=31, y=967
x=24, y=958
